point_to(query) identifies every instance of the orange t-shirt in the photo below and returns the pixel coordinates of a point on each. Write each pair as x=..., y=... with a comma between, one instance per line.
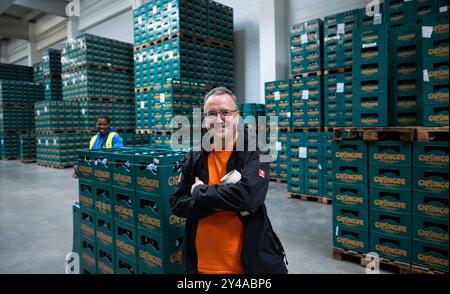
x=219, y=236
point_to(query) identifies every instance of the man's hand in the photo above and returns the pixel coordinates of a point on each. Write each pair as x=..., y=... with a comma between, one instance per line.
x=197, y=182
x=74, y=173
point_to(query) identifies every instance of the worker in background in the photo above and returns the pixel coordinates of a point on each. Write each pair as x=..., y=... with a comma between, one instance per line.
x=105, y=138
x=227, y=228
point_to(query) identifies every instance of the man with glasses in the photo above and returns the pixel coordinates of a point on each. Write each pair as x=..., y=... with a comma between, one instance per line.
x=227, y=228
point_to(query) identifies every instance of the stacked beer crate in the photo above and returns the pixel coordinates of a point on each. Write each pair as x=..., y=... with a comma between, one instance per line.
x=182, y=50
x=97, y=80
x=125, y=220
x=18, y=93
x=48, y=73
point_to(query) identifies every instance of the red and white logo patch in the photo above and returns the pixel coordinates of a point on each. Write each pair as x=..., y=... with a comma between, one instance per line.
x=262, y=173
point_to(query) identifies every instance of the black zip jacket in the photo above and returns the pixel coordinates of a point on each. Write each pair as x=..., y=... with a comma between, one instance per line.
x=262, y=251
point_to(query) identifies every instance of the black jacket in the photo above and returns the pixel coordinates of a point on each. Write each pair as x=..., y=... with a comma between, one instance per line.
x=262, y=251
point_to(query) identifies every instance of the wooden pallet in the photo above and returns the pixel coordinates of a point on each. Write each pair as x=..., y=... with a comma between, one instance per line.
x=417, y=269
x=155, y=42
x=9, y=158
x=155, y=132
x=55, y=166
x=337, y=70
x=27, y=161
x=276, y=180
x=306, y=197
x=307, y=74
x=358, y=257
x=407, y=134
x=99, y=66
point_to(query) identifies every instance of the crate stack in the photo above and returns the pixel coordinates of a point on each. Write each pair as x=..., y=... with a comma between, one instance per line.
x=309, y=164
x=126, y=225
x=17, y=99
x=27, y=147
x=390, y=195
x=370, y=72
x=338, y=99
x=338, y=39
x=430, y=204
x=48, y=73
x=306, y=102
x=350, y=195
x=400, y=13
x=405, y=76
x=182, y=50
x=435, y=69
x=97, y=80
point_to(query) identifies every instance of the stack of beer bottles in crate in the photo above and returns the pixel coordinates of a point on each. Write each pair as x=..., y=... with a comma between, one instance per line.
x=182, y=50
x=48, y=73
x=18, y=94
x=309, y=164
x=97, y=78
x=126, y=224
x=339, y=35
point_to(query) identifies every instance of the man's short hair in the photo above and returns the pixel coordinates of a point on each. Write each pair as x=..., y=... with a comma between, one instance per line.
x=221, y=91
x=107, y=118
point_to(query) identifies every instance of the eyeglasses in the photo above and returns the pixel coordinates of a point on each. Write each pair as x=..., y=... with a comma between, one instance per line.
x=223, y=114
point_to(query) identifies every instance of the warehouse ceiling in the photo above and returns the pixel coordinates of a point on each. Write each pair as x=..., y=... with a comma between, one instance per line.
x=15, y=15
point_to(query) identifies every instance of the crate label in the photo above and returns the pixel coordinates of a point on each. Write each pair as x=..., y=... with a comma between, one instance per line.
x=302, y=151
x=54, y=141
x=443, y=9
x=305, y=94
x=155, y=58
x=39, y=141
x=170, y=54
x=276, y=95
x=156, y=160
x=340, y=88
x=140, y=58
x=278, y=146
x=162, y=98
x=377, y=19
x=46, y=142
x=427, y=31
x=169, y=7
x=288, y=114
x=426, y=78
x=45, y=109
x=337, y=231
x=142, y=104
x=341, y=28
x=370, y=45
x=154, y=9
x=83, y=111
x=304, y=38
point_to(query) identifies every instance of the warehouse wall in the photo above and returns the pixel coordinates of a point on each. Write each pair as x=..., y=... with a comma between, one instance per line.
x=118, y=28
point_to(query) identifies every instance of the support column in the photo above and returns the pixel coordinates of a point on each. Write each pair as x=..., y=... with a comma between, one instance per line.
x=273, y=42
x=33, y=54
x=4, y=52
x=73, y=27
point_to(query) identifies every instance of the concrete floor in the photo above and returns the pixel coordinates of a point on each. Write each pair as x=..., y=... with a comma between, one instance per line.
x=36, y=223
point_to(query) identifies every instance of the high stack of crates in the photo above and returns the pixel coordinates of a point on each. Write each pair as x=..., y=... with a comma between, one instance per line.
x=126, y=224
x=310, y=163
x=48, y=73
x=306, y=50
x=399, y=13
x=338, y=39
x=16, y=72
x=390, y=198
x=350, y=195
x=278, y=102
x=430, y=204
x=306, y=102
x=435, y=69
x=27, y=147
x=370, y=72
x=338, y=99
x=16, y=112
x=182, y=50
x=96, y=67
x=188, y=40
x=405, y=76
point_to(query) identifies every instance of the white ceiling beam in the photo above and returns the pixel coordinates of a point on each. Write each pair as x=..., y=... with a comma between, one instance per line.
x=13, y=28
x=55, y=7
x=31, y=15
